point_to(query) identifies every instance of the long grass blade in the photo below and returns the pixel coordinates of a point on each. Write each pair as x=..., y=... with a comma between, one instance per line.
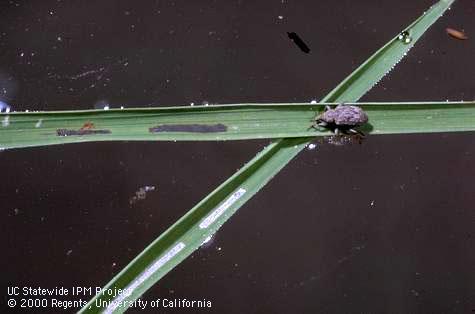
x=226, y=122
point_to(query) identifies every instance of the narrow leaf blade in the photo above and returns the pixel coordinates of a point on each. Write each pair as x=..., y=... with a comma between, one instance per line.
x=233, y=122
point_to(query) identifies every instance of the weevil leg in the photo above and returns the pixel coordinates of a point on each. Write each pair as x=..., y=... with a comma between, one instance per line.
x=327, y=107
x=315, y=125
x=318, y=125
x=357, y=132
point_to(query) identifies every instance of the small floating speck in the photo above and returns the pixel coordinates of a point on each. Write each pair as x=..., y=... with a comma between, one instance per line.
x=148, y=188
x=141, y=194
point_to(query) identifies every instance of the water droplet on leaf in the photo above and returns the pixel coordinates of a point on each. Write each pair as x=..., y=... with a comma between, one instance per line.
x=405, y=37
x=4, y=107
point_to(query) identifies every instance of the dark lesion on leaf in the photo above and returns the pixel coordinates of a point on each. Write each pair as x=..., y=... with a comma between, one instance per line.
x=88, y=128
x=80, y=132
x=192, y=128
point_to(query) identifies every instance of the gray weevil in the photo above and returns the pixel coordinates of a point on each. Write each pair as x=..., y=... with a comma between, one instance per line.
x=344, y=119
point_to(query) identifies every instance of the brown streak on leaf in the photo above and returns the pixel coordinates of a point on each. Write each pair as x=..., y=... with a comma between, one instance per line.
x=87, y=126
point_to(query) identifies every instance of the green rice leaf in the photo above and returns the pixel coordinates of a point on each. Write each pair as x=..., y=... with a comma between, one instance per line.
x=225, y=122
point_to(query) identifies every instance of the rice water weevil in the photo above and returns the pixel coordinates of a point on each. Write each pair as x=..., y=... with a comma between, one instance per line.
x=342, y=119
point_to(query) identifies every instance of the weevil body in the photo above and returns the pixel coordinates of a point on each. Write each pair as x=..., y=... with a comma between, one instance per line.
x=343, y=118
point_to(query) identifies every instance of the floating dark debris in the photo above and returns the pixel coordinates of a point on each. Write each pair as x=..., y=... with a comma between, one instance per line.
x=192, y=128
x=299, y=42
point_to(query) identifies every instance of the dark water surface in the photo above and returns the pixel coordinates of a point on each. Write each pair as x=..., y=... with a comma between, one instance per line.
x=382, y=227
